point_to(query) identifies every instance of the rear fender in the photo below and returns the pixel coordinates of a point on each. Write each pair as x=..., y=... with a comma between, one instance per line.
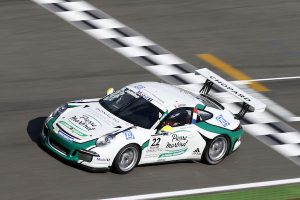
x=208, y=134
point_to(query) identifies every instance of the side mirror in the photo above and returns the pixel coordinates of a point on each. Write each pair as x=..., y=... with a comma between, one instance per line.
x=166, y=129
x=109, y=91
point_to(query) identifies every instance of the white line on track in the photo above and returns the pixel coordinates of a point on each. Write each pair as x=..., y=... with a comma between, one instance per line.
x=265, y=79
x=208, y=190
x=294, y=119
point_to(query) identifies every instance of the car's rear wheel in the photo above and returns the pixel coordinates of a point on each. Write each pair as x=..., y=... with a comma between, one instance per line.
x=126, y=159
x=216, y=150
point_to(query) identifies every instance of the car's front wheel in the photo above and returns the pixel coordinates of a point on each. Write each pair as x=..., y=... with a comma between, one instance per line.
x=126, y=159
x=216, y=150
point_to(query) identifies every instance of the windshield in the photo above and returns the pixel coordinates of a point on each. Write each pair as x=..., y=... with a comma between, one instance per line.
x=132, y=108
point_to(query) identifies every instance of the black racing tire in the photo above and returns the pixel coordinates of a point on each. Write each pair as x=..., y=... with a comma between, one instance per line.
x=126, y=159
x=216, y=150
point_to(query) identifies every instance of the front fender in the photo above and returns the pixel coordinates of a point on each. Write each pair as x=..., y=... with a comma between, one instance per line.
x=109, y=151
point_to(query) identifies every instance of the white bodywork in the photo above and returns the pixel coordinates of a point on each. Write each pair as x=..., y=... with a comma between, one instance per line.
x=185, y=142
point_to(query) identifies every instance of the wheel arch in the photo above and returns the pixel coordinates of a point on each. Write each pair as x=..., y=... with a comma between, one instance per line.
x=113, y=167
x=139, y=148
x=205, y=157
x=230, y=146
x=207, y=139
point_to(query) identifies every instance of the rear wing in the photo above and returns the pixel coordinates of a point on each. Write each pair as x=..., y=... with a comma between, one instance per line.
x=249, y=103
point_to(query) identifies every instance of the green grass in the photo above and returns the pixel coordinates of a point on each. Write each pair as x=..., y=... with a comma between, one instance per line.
x=286, y=192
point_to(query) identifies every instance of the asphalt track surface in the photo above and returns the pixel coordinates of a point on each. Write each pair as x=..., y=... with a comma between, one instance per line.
x=45, y=62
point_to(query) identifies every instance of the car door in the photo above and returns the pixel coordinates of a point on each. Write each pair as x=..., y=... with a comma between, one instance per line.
x=155, y=147
x=179, y=142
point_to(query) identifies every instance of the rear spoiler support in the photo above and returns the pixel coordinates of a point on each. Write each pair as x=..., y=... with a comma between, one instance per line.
x=250, y=104
x=206, y=87
x=245, y=108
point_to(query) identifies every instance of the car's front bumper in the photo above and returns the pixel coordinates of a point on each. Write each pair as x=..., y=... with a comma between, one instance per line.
x=71, y=151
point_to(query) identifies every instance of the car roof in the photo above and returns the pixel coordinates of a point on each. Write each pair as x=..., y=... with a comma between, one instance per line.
x=166, y=95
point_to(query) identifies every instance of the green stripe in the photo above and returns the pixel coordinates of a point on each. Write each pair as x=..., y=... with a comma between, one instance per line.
x=145, y=144
x=71, y=145
x=164, y=115
x=182, y=131
x=173, y=153
x=72, y=129
x=70, y=105
x=75, y=125
x=233, y=135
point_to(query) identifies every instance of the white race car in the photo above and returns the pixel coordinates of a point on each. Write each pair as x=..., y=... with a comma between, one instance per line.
x=143, y=123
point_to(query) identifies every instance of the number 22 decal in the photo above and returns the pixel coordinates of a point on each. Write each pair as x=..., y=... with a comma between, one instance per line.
x=156, y=142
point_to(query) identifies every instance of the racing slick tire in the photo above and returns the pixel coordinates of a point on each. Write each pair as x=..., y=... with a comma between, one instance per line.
x=126, y=159
x=216, y=150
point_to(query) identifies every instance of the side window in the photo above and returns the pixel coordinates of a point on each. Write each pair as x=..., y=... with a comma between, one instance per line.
x=203, y=116
x=178, y=117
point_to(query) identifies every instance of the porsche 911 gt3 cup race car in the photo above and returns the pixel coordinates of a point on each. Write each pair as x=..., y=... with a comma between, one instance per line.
x=147, y=122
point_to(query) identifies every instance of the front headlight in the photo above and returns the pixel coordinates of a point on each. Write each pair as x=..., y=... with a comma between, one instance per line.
x=104, y=140
x=58, y=111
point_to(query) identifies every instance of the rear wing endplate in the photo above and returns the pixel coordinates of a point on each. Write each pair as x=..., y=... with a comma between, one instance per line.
x=249, y=103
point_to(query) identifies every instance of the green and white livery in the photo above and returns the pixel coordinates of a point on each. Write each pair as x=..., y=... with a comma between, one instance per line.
x=142, y=123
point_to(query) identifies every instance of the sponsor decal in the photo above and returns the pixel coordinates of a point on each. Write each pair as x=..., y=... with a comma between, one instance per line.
x=139, y=87
x=154, y=149
x=196, y=152
x=65, y=136
x=128, y=135
x=177, y=141
x=132, y=93
x=108, y=115
x=103, y=159
x=153, y=152
x=175, y=137
x=214, y=79
x=72, y=129
x=85, y=122
x=138, y=94
x=170, y=153
x=222, y=120
x=141, y=94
